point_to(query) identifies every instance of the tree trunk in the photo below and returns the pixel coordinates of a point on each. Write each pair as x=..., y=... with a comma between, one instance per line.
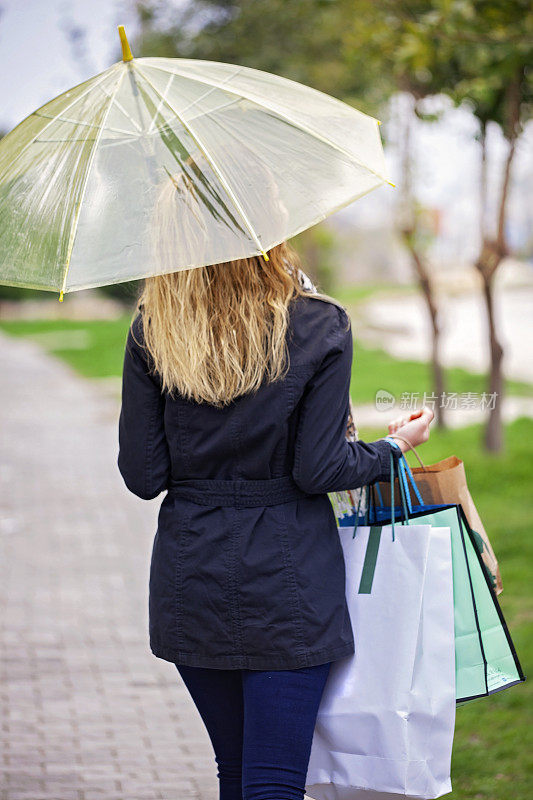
x=424, y=282
x=483, y=184
x=407, y=228
x=493, y=438
x=493, y=251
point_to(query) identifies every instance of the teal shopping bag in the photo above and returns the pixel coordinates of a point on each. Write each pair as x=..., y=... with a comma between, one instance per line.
x=485, y=656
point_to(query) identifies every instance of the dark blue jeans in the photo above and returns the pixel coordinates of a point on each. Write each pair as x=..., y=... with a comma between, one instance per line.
x=261, y=727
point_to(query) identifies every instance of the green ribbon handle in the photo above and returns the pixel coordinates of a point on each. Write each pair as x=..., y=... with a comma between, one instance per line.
x=371, y=557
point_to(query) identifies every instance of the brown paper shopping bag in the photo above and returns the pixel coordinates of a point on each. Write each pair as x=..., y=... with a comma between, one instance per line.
x=445, y=482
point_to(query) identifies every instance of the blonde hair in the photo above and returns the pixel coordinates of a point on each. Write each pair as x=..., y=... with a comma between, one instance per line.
x=213, y=332
x=217, y=332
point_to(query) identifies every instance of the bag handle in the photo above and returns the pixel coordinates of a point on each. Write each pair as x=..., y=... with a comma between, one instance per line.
x=411, y=447
x=405, y=504
x=375, y=488
x=405, y=468
x=402, y=496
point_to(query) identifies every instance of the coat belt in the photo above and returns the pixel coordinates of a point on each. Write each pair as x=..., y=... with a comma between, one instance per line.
x=237, y=493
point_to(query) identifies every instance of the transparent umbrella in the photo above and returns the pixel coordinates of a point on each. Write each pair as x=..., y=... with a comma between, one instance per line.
x=163, y=164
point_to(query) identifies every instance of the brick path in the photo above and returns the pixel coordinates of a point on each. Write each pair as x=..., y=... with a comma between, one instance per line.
x=86, y=711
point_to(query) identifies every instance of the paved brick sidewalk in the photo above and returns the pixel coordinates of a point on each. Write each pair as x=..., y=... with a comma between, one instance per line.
x=86, y=711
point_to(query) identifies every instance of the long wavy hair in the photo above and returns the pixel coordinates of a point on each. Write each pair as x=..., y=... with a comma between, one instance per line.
x=217, y=332
x=214, y=332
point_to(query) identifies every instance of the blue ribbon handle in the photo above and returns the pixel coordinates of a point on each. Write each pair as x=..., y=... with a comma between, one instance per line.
x=403, y=468
x=406, y=512
x=405, y=503
x=392, y=493
x=402, y=480
x=406, y=467
x=404, y=496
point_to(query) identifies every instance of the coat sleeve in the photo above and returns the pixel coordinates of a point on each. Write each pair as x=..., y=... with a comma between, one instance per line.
x=143, y=458
x=324, y=460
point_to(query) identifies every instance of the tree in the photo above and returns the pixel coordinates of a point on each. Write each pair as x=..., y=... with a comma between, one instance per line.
x=478, y=52
x=393, y=39
x=413, y=240
x=494, y=56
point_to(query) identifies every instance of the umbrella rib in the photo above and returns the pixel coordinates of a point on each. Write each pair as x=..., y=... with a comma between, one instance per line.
x=74, y=227
x=216, y=169
x=226, y=104
x=280, y=113
x=161, y=103
x=194, y=102
x=167, y=124
x=130, y=119
x=77, y=122
x=209, y=91
x=52, y=120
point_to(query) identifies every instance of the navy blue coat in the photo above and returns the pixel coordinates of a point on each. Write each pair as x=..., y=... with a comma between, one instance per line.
x=247, y=570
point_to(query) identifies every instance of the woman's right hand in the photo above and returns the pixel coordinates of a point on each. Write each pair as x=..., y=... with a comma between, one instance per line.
x=415, y=428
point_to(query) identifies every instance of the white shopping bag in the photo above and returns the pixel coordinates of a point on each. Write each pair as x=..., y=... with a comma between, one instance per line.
x=386, y=720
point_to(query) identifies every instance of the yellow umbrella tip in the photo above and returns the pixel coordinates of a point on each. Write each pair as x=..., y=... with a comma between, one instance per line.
x=126, y=50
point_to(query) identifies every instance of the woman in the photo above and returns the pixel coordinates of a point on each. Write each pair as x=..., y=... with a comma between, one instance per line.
x=235, y=402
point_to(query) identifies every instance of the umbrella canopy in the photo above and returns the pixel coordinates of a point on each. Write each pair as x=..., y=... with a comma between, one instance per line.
x=161, y=164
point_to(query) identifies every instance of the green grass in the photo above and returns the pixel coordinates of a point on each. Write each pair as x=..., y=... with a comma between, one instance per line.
x=492, y=759
x=103, y=341
x=375, y=369
x=356, y=293
x=96, y=349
